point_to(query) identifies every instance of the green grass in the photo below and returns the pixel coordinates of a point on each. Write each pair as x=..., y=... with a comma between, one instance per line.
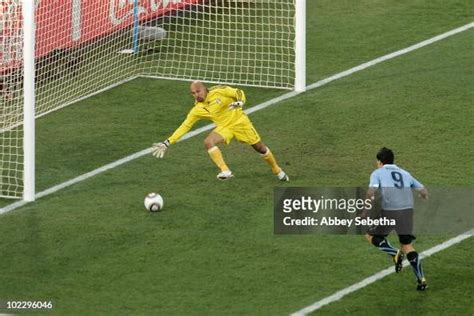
x=387, y=295
x=93, y=249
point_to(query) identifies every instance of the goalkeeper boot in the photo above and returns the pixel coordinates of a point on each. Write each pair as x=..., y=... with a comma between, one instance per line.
x=282, y=176
x=421, y=285
x=225, y=175
x=398, y=260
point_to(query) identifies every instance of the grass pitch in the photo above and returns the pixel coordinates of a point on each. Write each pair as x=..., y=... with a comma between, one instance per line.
x=93, y=249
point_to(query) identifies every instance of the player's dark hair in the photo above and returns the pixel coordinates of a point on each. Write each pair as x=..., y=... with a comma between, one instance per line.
x=385, y=156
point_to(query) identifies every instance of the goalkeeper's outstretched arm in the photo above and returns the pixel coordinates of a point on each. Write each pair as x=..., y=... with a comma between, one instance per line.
x=159, y=149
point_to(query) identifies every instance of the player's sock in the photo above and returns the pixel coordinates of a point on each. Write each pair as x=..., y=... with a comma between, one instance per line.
x=270, y=159
x=384, y=245
x=216, y=156
x=415, y=262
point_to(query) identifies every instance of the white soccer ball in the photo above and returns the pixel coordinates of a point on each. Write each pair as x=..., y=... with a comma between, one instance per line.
x=154, y=202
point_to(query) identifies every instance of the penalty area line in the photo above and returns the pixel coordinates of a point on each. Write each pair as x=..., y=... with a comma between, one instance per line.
x=256, y=108
x=379, y=275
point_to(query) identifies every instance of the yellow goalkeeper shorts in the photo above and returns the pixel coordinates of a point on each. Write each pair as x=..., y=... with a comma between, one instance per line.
x=242, y=130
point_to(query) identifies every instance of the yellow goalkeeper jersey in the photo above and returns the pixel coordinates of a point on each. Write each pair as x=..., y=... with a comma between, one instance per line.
x=214, y=108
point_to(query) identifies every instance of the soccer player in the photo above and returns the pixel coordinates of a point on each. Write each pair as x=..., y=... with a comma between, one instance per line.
x=395, y=185
x=223, y=106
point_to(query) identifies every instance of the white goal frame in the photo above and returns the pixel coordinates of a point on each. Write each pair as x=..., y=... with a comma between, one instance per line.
x=28, y=11
x=29, y=27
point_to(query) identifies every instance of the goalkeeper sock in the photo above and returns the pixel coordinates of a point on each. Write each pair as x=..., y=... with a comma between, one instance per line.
x=415, y=264
x=216, y=156
x=270, y=159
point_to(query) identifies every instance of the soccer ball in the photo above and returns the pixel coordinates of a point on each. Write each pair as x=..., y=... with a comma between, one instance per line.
x=154, y=202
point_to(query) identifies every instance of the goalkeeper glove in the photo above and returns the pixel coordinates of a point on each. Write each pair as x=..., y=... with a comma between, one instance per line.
x=159, y=149
x=236, y=104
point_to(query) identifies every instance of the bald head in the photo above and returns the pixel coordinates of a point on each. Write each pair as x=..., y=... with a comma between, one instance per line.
x=197, y=84
x=198, y=91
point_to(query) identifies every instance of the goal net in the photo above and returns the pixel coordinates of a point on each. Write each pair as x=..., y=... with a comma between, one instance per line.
x=246, y=42
x=84, y=47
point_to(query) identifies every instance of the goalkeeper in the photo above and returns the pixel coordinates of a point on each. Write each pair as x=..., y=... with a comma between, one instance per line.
x=223, y=106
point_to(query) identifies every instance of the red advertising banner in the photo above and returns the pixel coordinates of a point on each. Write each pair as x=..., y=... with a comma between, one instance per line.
x=70, y=23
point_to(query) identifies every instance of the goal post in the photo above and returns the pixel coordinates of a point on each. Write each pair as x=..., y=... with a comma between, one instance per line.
x=300, y=45
x=56, y=53
x=28, y=11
